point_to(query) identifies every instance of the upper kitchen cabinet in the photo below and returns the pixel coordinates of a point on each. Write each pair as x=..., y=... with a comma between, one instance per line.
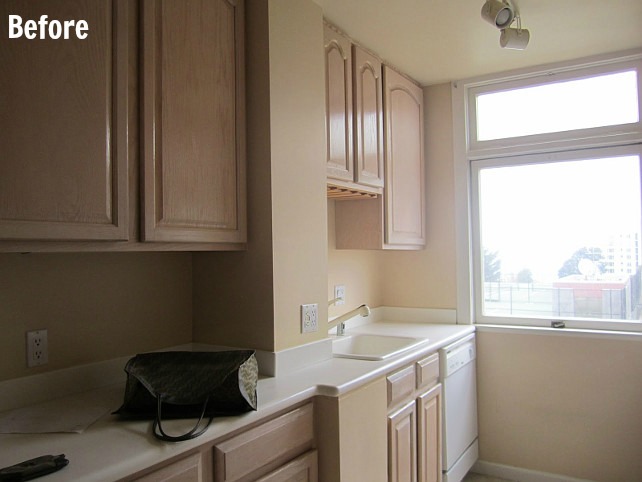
x=132, y=139
x=395, y=220
x=354, y=118
x=64, y=125
x=193, y=121
x=404, y=193
x=338, y=82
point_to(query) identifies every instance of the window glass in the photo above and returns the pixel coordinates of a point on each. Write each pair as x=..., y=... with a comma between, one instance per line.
x=561, y=239
x=598, y=101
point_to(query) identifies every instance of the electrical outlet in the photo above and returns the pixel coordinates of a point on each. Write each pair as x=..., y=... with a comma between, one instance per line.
x=37, y=348
x=340, y=294
x=309, y=318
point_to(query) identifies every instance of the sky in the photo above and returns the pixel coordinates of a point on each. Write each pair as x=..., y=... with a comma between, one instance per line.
x=536, y=216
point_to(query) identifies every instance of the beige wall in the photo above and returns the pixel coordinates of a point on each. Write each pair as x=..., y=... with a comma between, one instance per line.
x=253, y=299
x=561, y=404
x=95, y=306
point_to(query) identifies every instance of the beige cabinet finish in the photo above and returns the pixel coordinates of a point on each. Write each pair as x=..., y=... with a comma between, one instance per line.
x=193, y=126
x=429, y=435
x=395, y=220
x=414, y=422
x=64, y=126
x=368, y=118
x=402, y=444
x=404, y=193
x=301, y=469
x=339, y=121
x=190, y=469
x=354, y=118
x=265, y=448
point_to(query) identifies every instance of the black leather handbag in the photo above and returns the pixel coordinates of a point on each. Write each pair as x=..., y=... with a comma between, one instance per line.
x=182, y=384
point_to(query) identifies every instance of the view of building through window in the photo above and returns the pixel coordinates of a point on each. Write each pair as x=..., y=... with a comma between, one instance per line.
x=562, y=239
x=559, y=235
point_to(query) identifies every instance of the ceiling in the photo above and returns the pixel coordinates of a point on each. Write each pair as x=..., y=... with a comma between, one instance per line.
x=437, y=41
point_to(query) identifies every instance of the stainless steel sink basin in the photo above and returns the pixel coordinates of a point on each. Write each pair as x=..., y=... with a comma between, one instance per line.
x=373, y=347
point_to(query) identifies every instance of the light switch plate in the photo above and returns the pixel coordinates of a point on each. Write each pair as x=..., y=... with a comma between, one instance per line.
x=340, y=294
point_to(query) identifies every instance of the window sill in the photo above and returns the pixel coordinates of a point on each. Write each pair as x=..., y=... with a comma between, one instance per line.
x=575, y=332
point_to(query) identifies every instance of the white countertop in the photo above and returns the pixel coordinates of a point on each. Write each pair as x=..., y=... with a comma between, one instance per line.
x=112, y=449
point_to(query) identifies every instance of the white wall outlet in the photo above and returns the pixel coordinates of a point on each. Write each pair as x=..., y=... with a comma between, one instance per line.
x=309, y=318
x=37, y=348
x=340, y=294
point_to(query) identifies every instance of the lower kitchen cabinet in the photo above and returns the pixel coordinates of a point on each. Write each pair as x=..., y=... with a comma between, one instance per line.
x=414, y=422
x=402, y=444
x=429, y=435
x=193, y=468
x=301, y=469
x=268, y=450
x=282, y=449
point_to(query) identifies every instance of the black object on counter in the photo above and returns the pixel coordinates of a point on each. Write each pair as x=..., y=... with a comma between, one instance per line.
x=33, y=468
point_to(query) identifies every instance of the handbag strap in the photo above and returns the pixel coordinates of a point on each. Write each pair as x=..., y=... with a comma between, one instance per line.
x=160, y=434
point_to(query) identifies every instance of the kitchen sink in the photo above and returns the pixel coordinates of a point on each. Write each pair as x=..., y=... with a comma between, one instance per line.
x=373, y=347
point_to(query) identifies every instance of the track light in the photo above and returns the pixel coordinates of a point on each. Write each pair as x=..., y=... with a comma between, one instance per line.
x=501, y=14
x=498, y=13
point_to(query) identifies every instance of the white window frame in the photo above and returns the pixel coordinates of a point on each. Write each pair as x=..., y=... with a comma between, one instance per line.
x=594, y=142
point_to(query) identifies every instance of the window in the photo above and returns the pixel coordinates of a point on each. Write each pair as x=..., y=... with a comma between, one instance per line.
x=553, y=161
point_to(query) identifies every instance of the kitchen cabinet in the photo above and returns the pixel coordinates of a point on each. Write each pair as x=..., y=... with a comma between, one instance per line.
x=193, y=142
x=193, y=468
x=130, y=140
x=395, y=220
x=354, y=118
x=269, y=450
x=280, y=449
x=414, y=422
x=64, y=126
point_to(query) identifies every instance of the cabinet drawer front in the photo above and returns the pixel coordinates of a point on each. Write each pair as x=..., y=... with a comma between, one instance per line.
x=301, y=469
x=427, y=371
x=401, y=385
x=273, y=442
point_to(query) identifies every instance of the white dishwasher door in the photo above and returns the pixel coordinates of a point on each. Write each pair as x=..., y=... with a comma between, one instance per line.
x=460, y=403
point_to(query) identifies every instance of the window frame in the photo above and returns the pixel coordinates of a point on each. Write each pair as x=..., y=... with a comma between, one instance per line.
x=592, y=142
x=531, y=159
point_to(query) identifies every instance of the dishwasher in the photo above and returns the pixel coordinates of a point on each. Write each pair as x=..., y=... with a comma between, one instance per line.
x=460, y=448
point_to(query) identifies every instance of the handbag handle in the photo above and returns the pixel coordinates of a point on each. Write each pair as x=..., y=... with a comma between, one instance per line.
x=160, y=434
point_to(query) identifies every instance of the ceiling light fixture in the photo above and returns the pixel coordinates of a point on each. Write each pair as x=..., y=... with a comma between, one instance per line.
x=502, y=14
x=498, y=13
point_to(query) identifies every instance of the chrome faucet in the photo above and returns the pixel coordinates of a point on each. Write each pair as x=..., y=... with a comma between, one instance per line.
x=339, y=321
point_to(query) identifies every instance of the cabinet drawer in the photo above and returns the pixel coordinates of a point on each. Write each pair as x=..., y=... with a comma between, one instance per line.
x=264, y=447
x=401, y=385
x=427, y=371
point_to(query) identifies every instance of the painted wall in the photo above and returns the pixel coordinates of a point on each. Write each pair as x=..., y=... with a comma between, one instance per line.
x=562, y=404
x=285, y=265
x=95, y=306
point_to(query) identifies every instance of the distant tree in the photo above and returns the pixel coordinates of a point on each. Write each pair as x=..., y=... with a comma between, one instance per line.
x=525, y=276
x=492, y=266
x=571, y=265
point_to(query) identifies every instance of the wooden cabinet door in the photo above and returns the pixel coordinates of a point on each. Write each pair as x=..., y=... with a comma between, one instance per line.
x=189, y=469
x=368, y=123
x=402, y=444
x=301, y=469
x=404, y=189
x=193, y=121
x=429, y=435
x=338, y=82
x=63, y=125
